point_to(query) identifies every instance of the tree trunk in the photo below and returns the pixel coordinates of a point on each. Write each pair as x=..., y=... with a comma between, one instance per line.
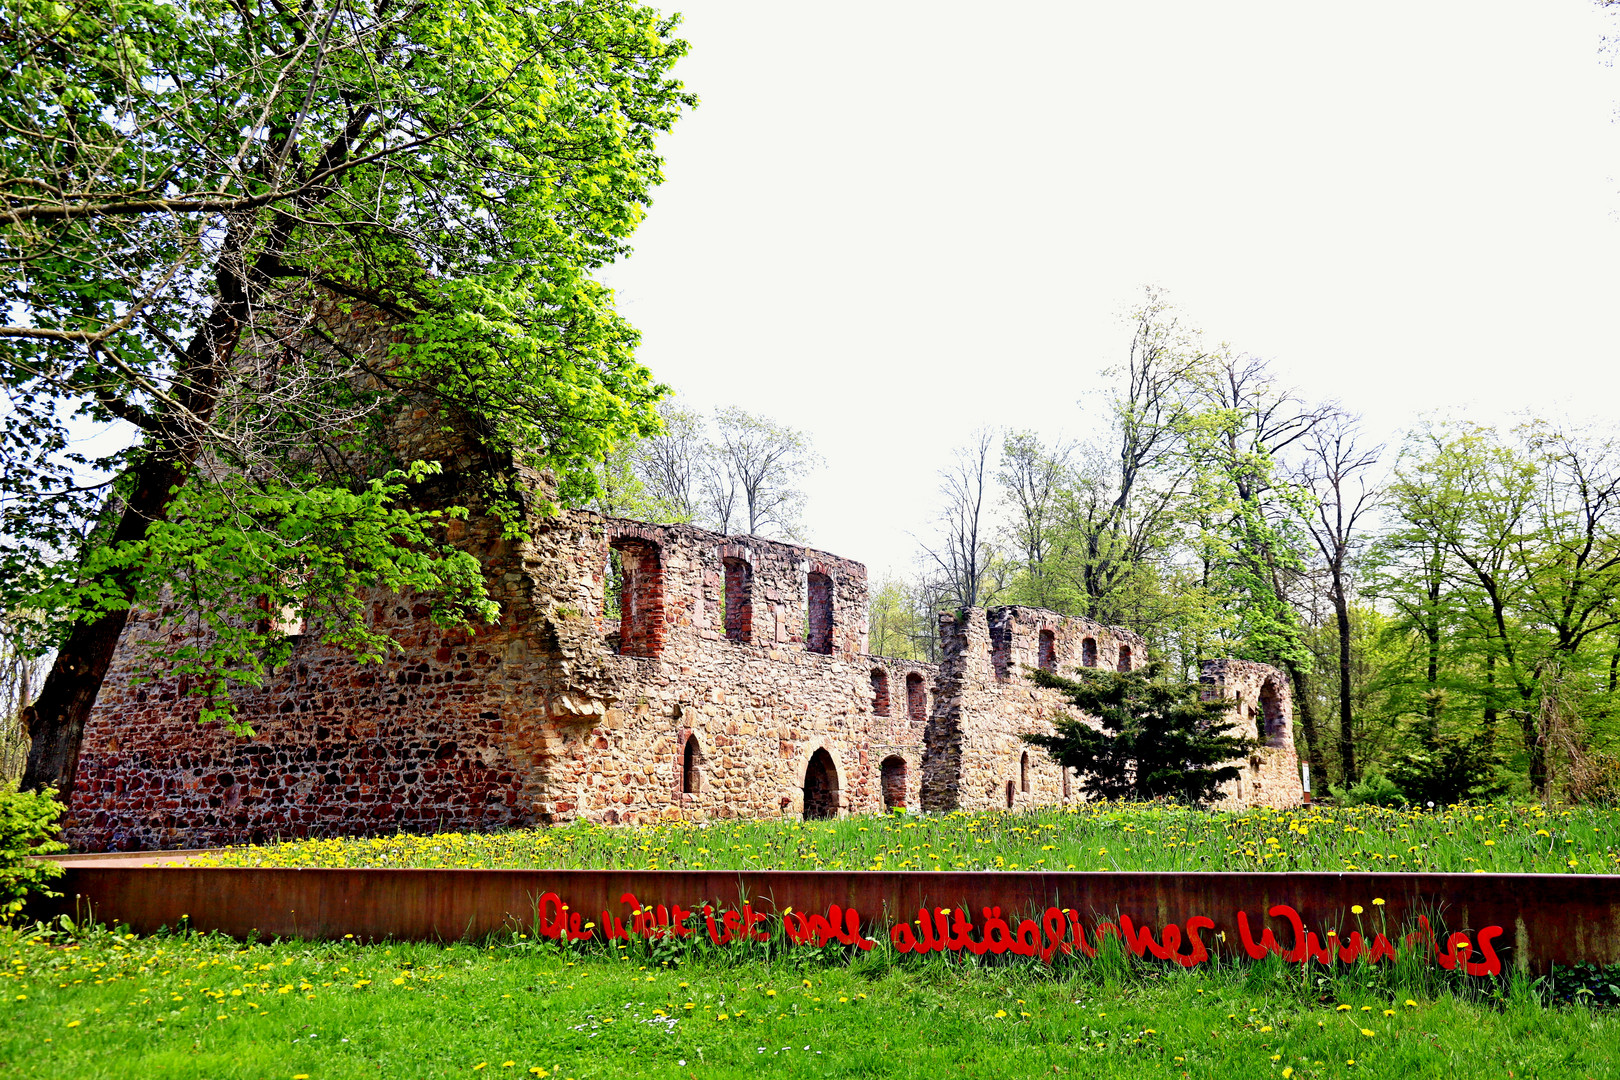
x=74, y=682
x=1491, y=712
x=1307, y=716
x=1347, y=734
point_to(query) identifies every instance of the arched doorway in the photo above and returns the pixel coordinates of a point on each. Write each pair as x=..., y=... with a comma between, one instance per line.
x=820, y=787
x=894, y=782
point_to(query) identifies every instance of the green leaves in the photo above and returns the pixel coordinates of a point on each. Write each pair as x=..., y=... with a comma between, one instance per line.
x=244, y=562
x=27, y=828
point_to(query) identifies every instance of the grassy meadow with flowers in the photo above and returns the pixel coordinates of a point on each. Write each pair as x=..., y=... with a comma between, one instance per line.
x=93, y=1002
x=1093, y=836
x=96, y=1002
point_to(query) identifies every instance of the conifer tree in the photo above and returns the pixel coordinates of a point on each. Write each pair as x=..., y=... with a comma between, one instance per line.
x=1158, y=740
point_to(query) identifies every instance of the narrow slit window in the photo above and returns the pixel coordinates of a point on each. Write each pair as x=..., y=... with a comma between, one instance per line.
x=880, y=692
x=819, y=635
x=690, y=760
x=916, y=697
x=641, y=598
x=1023, y=773
x=739, y=601
x=1048, y=651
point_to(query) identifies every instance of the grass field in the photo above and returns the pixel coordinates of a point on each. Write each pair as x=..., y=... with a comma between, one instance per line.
x=1096, y=836
x=96, y=1004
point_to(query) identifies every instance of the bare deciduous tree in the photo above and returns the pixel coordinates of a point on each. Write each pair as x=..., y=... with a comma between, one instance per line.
x=962, y=552
x=753, y=477
x=1337, y=473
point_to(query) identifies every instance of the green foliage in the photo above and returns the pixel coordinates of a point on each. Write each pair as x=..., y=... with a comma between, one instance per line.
x=1159, y=739
x=1450, y=769
x=901, y=621
x=1373, y=789
x=27, y=829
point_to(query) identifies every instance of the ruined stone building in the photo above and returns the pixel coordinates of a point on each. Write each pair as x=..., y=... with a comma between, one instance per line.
x=733, y=681
x=726, y=676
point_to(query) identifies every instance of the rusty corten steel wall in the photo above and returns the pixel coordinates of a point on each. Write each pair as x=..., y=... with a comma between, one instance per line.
x=1545, y=918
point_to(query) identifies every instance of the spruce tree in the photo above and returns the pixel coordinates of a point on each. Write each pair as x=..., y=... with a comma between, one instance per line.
x=1159, y=739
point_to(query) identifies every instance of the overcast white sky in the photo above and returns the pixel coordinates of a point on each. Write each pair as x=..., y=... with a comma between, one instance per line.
x=891, y=223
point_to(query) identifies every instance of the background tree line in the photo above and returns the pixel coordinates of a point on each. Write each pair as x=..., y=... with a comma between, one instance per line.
x=1446, y=607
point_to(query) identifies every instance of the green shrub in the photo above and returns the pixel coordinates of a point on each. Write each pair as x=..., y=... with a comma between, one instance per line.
x=27, y=825
x=1374, y=789
x=1446, y=769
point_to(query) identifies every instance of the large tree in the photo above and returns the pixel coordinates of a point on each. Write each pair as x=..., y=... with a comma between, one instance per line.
x=198, y=200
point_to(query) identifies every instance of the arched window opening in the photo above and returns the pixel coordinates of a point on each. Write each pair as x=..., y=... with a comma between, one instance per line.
x=1088, y=652
x=818, y=638
x=1124, y=658
x=1023, y=773
x=739, y=601
x=1066, y=792
x=893, y=773
x=1048, y=651
x=1009, y=794
x=820, y=787
x=1271, y=713
x=880, y=692
x=691, y=758
x=640, y=596
x=916, y=698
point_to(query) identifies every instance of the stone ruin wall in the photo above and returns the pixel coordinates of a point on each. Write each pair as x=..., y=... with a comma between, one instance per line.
x=978, y=761
x=1264, y=711
x=535, y=719
x=550, y=716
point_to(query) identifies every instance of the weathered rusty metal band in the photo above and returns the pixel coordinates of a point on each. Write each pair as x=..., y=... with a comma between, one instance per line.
x=1545, y=918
